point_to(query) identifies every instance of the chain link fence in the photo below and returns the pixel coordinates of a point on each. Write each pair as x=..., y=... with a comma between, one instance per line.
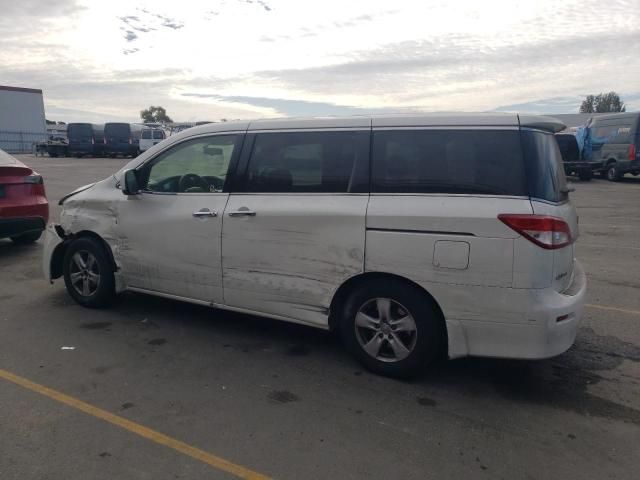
x=20, y=142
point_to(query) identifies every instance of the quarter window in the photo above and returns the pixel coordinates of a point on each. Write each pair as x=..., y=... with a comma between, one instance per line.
x=305, y=162
x=448, y=161
x=195, y=166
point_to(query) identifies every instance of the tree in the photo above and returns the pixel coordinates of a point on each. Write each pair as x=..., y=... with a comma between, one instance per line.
x=602, y=103
x=155, y=114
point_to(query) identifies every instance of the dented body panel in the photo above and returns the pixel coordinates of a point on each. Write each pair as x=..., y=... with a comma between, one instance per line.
x=292, y=256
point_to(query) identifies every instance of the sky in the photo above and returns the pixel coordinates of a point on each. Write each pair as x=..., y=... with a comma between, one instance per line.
x=241, y=59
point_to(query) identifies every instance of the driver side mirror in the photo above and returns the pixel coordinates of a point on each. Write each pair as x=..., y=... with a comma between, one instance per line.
x=131, y=186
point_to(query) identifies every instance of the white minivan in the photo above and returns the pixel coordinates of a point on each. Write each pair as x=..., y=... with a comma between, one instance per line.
x=413, y=236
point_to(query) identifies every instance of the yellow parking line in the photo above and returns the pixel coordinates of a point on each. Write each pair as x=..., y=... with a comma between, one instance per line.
x=614, y=309
x=157, y=437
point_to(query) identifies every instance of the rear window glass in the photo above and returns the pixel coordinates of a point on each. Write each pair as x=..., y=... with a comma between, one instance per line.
x=117, y=129
x=146, y=134
x=568, y=147
x=448, y=161
x=543, y=161
x=79, y=130
x=158, y=134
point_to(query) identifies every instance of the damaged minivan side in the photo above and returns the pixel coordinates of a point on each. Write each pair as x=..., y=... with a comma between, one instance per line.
x=412, y=236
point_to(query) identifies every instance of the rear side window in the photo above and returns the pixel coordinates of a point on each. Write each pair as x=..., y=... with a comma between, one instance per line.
x=305, y=162
x=448, y=161
x=146, y=134
x=543, y=161
x=158, y=134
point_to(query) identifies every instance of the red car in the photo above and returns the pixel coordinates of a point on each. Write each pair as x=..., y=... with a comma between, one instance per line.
x=24, y=209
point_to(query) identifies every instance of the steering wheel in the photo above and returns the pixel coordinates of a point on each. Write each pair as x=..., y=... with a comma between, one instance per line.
x=191, y=180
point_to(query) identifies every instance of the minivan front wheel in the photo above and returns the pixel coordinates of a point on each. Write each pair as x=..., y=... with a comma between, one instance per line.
x=88, y=274
x=393, y=328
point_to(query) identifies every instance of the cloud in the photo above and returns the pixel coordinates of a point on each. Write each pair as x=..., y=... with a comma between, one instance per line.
x=246, y=58
x=293, y=108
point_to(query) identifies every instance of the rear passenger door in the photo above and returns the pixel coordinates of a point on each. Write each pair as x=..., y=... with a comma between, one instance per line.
x=294, y=226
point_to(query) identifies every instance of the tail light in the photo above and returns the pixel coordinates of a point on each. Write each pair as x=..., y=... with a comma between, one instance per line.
x=93, y=141
x=547, y=232
x=130, y=141
x=34, y=179
x=632, y=152
x=105, y=140
x=37, y=182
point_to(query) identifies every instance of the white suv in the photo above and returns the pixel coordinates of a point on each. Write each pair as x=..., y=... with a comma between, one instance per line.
x=414, y=236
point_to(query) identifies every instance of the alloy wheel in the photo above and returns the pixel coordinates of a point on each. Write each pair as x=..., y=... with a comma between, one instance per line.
x=385, y=330
x=84, y=273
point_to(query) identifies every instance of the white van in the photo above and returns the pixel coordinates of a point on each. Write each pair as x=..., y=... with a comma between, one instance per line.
x=413, y=236
x=150, y=137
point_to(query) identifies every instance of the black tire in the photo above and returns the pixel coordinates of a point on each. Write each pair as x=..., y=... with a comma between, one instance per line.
x=99, y=293
x=405, y=298
x=26, y=238
x=585, y=174
x=613, y=173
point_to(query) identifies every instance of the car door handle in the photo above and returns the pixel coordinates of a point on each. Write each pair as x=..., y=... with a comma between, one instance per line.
x=205, y=212
x=242, y=212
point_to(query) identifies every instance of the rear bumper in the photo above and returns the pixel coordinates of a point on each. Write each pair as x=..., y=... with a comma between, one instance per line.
x=575, y=166
x=120, y=148
x=13, y=227
x=548, y=323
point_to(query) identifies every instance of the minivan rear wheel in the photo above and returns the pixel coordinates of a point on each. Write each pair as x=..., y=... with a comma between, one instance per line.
x=391, y=327
x=88, y=274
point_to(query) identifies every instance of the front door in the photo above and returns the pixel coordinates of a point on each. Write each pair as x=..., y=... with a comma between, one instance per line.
x=170, y=233
x=294, y=229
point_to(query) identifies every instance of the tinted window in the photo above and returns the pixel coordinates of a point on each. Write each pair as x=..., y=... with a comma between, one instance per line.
x=146, y=134
x=158, y=134
x=545, y=173
x=79, y=131
x=568, y=147
x=196, y=166
x=448, y=161
x=117, y=130
x=304, y=162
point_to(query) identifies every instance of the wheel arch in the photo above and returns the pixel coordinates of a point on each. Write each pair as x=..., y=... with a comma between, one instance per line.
x=58, y=254
x=343, y=291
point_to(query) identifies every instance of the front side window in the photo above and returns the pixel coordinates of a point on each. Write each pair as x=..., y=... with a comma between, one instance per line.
x=448, y=161
x=158, y=135
x=304, y=162
x=195, y=166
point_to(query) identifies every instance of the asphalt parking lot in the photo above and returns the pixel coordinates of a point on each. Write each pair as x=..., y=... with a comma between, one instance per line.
x=193, y=387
